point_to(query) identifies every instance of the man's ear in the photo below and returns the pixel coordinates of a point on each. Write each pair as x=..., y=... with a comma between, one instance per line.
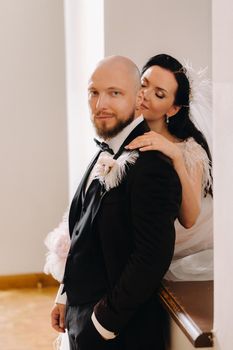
x=173, y=111
x=139, y=99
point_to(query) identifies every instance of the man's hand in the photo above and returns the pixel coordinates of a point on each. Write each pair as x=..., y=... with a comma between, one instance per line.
x=58, y=317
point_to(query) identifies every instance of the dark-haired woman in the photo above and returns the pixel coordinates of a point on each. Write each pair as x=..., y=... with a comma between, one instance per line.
x=168, y=111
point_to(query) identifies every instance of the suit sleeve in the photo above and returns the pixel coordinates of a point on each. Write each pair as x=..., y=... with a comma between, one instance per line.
x=155, y=195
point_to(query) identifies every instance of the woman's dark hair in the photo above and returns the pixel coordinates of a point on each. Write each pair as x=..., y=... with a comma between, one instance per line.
x=180, y=125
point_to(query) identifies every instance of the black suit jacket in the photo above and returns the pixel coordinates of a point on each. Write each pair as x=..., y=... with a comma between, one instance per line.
x=123, y=245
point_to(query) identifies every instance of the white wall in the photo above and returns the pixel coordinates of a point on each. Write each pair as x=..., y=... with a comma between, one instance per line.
x=140, y=29
x=84, y=21
x=33, y=138
x=223, y=171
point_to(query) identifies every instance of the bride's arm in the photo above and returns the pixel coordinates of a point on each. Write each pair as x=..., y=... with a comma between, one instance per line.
x=191, y=192
x=191, y=185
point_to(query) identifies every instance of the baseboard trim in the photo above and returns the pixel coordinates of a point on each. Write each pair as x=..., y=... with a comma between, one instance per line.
x=29, y=280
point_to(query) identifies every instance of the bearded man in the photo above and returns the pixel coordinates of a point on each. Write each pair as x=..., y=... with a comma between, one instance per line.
x=121, y=224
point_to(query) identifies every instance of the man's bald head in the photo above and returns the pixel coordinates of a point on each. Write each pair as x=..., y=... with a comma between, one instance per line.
x=113, y=94
x=122, y=65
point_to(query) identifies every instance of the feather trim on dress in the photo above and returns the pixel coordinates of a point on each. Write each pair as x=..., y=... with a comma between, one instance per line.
x=194, y=155
x=58, y=244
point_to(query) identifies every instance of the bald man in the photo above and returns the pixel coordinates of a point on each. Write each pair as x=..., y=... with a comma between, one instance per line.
x=121, y=224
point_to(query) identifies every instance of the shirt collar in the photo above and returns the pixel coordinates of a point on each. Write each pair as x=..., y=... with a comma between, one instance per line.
x=116, y=141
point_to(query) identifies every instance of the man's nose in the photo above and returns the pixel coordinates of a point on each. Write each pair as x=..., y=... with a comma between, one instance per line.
x=102, y=102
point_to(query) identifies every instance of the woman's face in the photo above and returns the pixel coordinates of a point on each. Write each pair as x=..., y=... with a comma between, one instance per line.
x=159, y=88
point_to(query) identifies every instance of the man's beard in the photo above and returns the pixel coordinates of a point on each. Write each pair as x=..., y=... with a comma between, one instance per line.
x=105, y=133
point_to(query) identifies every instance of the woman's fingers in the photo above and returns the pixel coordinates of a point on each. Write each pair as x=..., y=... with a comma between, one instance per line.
x=147, y=148
x=152, y=141
x=140, y=141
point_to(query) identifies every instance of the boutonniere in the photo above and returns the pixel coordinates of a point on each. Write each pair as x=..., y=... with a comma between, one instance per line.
x=109, y=171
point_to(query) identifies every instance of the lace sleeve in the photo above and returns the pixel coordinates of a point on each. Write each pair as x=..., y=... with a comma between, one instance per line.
x=194, y=155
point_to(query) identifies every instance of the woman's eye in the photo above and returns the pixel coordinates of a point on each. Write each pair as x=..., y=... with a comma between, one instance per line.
x=159, y=95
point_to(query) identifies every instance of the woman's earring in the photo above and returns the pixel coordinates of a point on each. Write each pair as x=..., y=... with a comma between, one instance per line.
x=167, y=120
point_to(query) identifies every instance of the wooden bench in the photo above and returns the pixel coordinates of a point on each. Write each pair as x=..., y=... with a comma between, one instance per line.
x=190, y=304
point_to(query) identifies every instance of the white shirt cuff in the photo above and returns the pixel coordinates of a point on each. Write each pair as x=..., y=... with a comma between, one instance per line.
x=61, y=298
x=103, y=332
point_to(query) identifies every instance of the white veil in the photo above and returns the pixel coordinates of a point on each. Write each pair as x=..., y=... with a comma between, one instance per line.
x=201, y=101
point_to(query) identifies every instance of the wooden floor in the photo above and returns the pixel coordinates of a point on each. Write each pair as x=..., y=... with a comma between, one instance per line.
x=25, y=319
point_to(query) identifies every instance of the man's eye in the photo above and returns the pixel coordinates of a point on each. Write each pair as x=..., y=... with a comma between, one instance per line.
x=115, y=93
x=143, y=85
x=93, y=93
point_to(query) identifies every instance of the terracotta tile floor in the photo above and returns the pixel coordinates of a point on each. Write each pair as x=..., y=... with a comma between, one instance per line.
x=25, y=319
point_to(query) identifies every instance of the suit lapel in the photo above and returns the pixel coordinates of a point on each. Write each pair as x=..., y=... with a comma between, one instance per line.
x=76, y=204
